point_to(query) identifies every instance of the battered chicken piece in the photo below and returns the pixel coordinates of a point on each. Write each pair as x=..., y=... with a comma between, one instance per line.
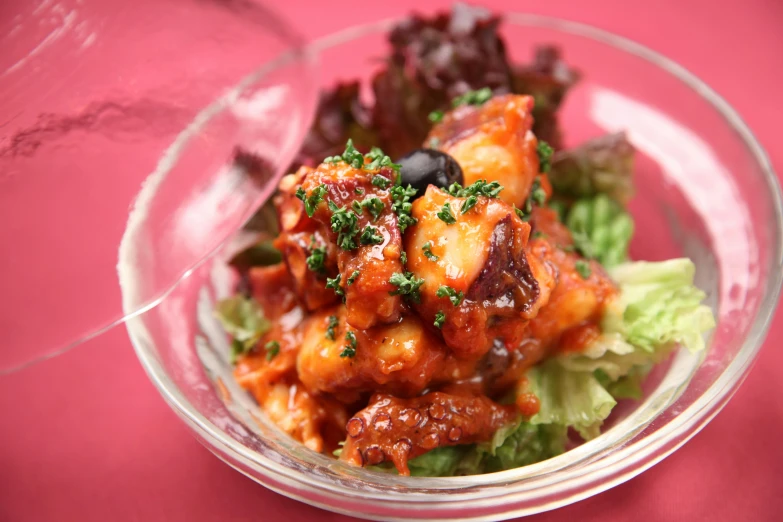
x=335, y=358
x=475, y=272
x=492, y=142
x=397, y=430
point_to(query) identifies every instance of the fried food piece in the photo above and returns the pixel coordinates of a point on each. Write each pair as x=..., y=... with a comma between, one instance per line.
x=493, y=289
x=492, y=142
x=336, y=358
x=396, y=430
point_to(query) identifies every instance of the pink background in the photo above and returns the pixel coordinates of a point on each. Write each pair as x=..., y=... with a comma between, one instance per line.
x=86, y=437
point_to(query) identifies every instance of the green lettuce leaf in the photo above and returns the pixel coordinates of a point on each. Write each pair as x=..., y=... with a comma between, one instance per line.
x=601, y=228
x=244, y=321
x=441, y=462
x=569, y=398
x=659, y=306
x=522, y=444
x=658, y=309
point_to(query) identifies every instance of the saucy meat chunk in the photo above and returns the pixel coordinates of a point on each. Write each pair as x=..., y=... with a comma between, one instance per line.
x=316, y=421
x=582, y=287
x=300, y=238
x=396, y=430
x=492, y=142
x=477, y=281
x=336, y=358
x=354, y=205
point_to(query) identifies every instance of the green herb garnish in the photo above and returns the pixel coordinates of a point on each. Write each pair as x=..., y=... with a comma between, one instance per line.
x=317, y=257
x=359, y=191
x=272, y=349
x=583, y=267
x=404, y=257
x=436, y=116
x=334, y=284
x=349, y=350
x=544, y=152
x=333, y=322
x=427, y=248
x=454, y=296
x=378, y=159
x=311, y=201
x=352, y=277
x=371, y=236
x=344, y=224
x=380, y=182
x=440, y=317
x=407, y=284
x=374, y=206
x=478, y=97
x=445, y=214
x=402, y=206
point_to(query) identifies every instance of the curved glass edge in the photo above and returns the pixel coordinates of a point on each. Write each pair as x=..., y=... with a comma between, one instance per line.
x=597, y=476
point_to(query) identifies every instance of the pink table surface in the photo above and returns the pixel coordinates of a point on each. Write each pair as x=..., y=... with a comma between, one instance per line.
x=86, y=437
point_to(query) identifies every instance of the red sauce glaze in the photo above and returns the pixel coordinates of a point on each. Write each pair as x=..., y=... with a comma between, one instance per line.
x=579, y=337
x=396, y=430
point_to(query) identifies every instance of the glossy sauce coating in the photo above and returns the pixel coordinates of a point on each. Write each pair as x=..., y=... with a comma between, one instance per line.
x=482, y=255
x=492, y=142
x=368, y=300
x=396, y=430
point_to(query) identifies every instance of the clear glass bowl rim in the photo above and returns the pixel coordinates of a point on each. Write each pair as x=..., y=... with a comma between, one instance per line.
x=595, y=477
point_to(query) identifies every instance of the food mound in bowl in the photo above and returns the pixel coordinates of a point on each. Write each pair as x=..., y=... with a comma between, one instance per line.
x=467, y=306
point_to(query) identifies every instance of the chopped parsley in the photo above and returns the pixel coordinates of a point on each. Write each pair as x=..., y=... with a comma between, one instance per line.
x=375, y=158
x=351, y=156
x=440, y=317
x=380, y=182
x=378, y=159
x=583, y=267
x=344, y=224
x=317, y=257
x=333, y=322
x=407, y=284
x=334, y=284
x=478, y=97
x=272, y=349
x=373, y=205
x=311, y=201
x=359, y=191
x=454, y=296
x=537, y=195
x=352, y=277
x=404, y=257
x=370, y=236
x=544, y=152
x=477, y=188
x=402, y=206
x=445, y=214
x=436, y=116
x=349, y=350
x=427, y=248
x=472, y=191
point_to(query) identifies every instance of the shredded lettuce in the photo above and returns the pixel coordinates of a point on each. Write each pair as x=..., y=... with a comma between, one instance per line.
x=659, y=306
x=517, y=444
x=601, y=228
x=569, y=398
x=244, y=321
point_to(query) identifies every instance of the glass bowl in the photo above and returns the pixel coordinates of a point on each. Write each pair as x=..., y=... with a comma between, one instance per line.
x=705, y=189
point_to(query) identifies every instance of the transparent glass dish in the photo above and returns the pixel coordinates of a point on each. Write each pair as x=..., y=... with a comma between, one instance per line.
x=705, y=189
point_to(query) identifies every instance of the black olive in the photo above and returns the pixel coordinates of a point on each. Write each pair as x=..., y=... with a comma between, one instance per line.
x=423, y=167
